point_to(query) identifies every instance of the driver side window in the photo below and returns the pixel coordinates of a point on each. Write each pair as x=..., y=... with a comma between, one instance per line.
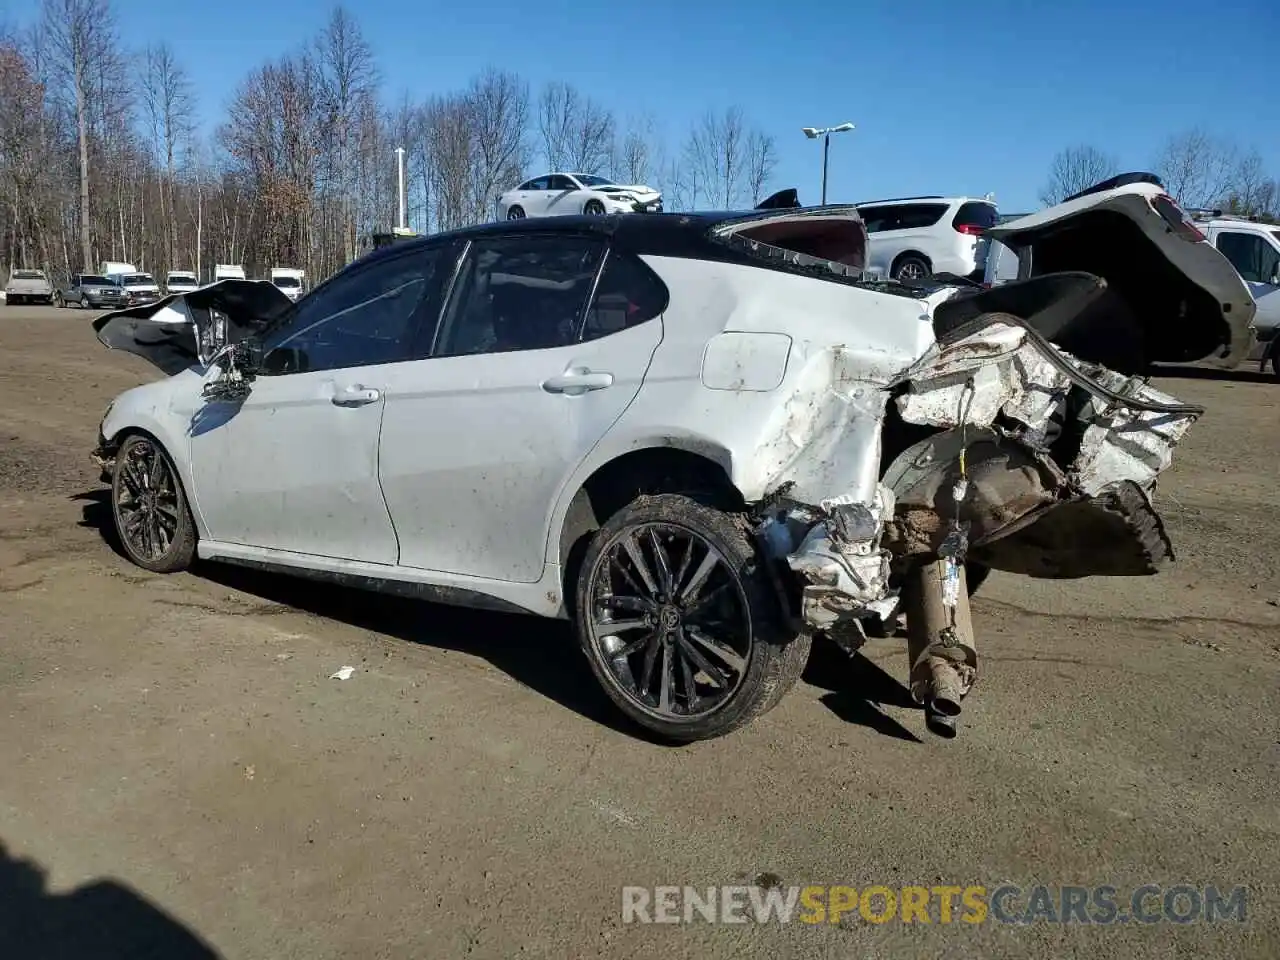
x=370, y=317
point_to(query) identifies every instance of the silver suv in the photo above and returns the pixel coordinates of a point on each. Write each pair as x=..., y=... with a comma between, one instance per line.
x=912, y=238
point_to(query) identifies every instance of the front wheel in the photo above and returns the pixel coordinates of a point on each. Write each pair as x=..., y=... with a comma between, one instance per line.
x=678, y=620
x=515, y=213
x=593, y=208
x=152, y=519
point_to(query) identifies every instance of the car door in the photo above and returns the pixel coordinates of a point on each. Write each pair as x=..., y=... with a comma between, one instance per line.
x=530, y=369
x=534, y=197
x=294, y=466
x=564, y=196
x=1257, y=260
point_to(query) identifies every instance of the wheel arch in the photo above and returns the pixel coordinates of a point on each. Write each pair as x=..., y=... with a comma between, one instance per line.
x=904, y=254
x=670, y=467
x=115, y=428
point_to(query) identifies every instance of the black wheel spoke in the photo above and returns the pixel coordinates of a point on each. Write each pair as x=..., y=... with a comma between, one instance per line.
x=636, y=555
x=669, y=624
x=691, y=652
x=699, y=579
x=721, y=651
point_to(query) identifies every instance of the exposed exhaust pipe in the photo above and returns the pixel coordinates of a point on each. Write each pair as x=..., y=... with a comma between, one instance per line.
x=940, y=644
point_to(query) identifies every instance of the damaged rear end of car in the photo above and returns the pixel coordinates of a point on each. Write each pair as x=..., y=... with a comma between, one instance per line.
x=994, y=449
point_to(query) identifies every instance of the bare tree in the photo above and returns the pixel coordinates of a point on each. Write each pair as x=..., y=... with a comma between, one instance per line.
x=577, y=133
x=1074, y=169
x=1196, y=168
x=167, y=100
x=637, y=158
x=348, y=79
x=761, y=159
x=82, y=38
x=498, y=106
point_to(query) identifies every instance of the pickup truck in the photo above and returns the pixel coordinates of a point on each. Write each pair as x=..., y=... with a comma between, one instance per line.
x=28, y=286
x=91, y=290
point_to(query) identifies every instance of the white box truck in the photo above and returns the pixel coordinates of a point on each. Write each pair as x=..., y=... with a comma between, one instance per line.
x=288, y=280
x=227, y=271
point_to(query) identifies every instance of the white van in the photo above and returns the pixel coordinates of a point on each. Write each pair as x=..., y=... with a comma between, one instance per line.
x=1253, y=248
x=288, y=280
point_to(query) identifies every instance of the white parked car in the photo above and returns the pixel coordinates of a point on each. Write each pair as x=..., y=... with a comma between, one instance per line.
x=28, y=286
x=917, y=237
x=697, y=439
x=558, y=194
x=138, y=287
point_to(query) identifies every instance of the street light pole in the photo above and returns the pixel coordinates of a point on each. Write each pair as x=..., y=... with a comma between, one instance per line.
x=400, y=178
x=813, y=133
x=826, y=152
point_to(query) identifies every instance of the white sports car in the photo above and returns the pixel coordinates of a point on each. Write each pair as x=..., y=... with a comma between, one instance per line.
x=557, y=194
x=704, y=438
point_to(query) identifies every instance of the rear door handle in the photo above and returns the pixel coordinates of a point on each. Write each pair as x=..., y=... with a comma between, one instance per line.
x=356, y=395
x=577, y=380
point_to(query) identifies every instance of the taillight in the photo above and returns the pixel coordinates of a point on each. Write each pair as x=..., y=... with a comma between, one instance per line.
x=970, y=230
x=1176, y=218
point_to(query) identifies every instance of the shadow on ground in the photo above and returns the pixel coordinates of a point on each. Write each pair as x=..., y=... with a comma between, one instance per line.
x=1247, y=372
x=104, y=919
x=858, y=688
x=539, y=653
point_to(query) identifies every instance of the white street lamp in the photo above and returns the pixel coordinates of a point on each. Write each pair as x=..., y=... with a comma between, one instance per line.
x=813, y=133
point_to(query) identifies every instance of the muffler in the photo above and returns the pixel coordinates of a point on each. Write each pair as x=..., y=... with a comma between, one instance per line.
x=940, y=644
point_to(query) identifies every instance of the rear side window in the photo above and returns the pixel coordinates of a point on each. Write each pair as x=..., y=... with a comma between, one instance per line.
x=976, y=214
x=902, y=216
x=629, y=293
x=520, y=293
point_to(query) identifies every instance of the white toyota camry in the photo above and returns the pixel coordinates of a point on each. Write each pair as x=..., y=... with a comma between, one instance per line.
x=703, y=438
x=558, y=194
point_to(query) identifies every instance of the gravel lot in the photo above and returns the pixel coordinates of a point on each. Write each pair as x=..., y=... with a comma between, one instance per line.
x=176, y=759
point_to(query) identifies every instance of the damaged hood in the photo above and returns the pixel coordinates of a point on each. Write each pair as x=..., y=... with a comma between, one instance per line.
x=1162, y=281
x=636, y=189
x=180, y=330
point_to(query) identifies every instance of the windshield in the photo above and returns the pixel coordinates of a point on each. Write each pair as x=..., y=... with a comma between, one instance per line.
x=591, y=180
x=28, y=275
x=89, y=281
x=133, y=279
x=287, y=282
x=182, y=278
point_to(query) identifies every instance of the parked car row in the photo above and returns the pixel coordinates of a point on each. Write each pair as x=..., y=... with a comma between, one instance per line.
x=119, y=284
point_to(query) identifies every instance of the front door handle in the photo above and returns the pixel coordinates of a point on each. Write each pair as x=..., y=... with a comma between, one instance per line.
x=356, y=395
x=577, y=380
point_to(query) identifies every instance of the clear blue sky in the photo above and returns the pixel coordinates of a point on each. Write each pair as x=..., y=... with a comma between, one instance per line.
x=948, y=97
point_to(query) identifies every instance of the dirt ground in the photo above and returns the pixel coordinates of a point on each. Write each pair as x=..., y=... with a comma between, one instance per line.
x=177, y=764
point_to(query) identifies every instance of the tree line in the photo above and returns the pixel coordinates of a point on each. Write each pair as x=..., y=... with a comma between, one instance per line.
x=1199, y=170
x=102, y=155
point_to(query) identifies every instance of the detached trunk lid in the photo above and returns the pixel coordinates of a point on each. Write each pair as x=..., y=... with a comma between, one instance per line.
x=180, y=330
x=1166, y=291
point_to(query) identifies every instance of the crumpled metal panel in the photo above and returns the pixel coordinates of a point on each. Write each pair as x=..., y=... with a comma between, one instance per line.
x=971, y=381
x=1125, y=444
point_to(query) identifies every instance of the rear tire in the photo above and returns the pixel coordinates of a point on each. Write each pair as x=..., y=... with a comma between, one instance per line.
x=678, y=620
x=911, y=267
x=153, y=521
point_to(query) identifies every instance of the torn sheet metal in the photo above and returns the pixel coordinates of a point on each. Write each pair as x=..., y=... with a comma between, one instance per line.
x=1126, y=444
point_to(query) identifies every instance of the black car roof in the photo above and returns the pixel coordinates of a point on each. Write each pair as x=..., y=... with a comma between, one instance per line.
x=670, y=234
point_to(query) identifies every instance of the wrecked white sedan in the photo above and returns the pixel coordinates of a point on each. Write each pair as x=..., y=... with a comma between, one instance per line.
x=703, y=438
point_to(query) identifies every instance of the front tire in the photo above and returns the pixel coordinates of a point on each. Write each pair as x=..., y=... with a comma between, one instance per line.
x=152, y=518
x=516, y=213
x=593, y=208
x=677, y=617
